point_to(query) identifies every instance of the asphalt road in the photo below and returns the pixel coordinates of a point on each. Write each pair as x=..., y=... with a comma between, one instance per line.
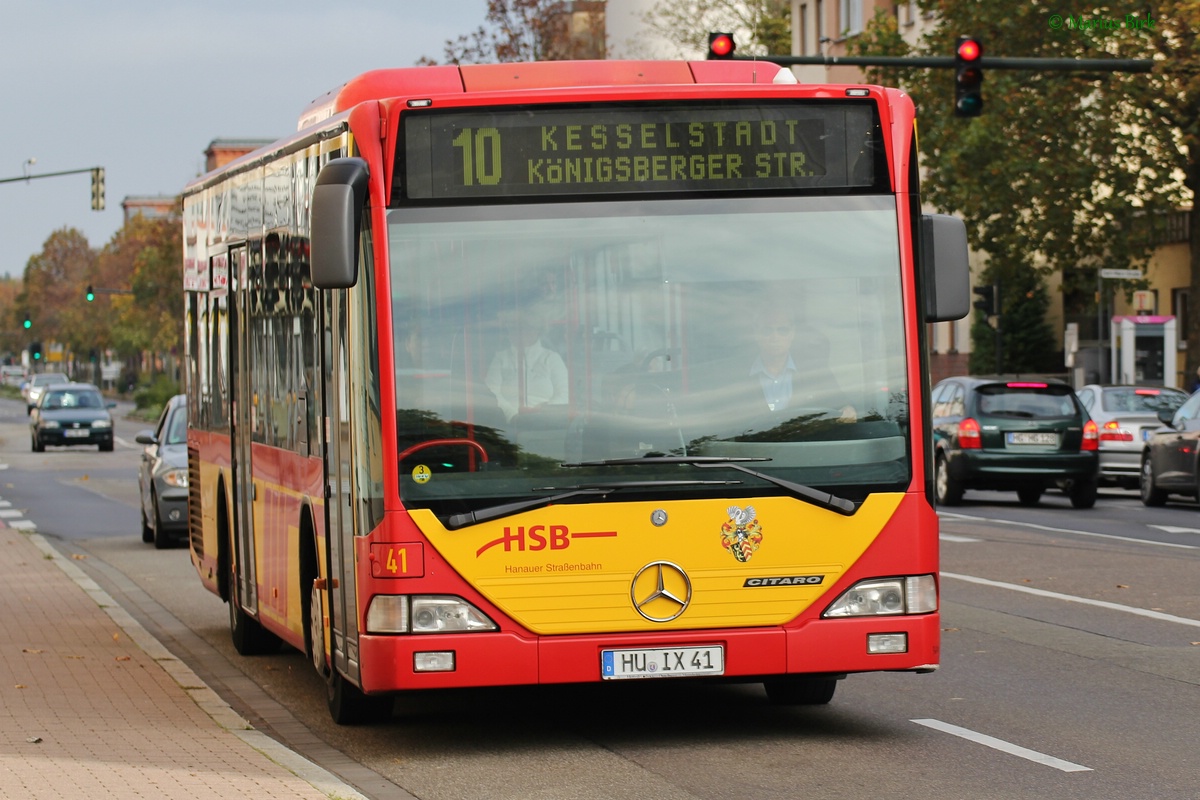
x=1071, y=669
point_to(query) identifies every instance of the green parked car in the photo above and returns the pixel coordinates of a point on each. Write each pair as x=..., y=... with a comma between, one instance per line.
x=1012, y=434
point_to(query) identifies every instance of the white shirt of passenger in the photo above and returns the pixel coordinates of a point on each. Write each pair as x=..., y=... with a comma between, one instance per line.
x=545, y=379
x=777, y=389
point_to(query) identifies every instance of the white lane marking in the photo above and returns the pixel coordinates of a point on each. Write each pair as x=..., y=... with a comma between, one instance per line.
x=1068, y=530
x=10, y=513
x=22, y=525
x=947, y=537
x=1002, y=746
x=1070, y=598
x=1173, y=529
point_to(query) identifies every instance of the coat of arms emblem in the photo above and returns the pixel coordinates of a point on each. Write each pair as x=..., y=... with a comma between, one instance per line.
x=742, y=534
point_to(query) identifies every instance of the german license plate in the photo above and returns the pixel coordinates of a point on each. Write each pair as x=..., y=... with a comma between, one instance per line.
x=1146, y=434
x=1033, y=438
x=76, y=433
x=662, y=662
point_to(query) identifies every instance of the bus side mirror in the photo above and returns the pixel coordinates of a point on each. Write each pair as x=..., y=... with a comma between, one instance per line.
x=337, y=208
x=944, y=268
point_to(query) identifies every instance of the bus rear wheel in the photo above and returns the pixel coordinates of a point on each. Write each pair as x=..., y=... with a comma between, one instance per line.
x=800, y=690
x=249, y=637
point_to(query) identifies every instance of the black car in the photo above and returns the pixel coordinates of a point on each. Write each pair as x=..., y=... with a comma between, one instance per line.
x=163, y=476
x=1169, y=457
x=71, y=414
x=1012, y=434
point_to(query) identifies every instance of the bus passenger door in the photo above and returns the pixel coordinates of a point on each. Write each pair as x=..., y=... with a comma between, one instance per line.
x=343, y=617
x=242, y=423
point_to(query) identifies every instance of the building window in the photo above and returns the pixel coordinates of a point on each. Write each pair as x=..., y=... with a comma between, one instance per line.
x=1179, y=309
x=850, y=17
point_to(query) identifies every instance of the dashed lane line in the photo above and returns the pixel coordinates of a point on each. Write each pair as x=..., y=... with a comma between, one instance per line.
x=1070, y=598
x=1036, y=527
x=1002, y=746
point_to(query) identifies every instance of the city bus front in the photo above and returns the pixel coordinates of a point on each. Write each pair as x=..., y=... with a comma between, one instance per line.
x=655, y=378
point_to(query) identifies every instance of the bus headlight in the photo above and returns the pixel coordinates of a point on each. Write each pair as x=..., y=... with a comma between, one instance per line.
x=915, y=594
x=425, y=614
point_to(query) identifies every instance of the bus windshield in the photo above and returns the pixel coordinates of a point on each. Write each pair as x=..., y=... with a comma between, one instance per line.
x=533, y=338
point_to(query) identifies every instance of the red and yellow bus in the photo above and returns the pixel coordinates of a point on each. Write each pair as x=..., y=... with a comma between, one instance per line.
x=571, y=372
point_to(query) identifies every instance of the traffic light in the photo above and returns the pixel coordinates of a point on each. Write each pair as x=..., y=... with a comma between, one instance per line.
x=35, y=350
x=721, y=46
x=98, y=188
x=968, y=77
x=90, y=294
x=28, y=323
x=987, y=299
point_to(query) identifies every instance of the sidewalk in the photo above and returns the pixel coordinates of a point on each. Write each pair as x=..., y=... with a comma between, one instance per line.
x=92, y=706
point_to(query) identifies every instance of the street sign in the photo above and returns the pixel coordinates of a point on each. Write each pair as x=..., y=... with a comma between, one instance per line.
x=1125, y=274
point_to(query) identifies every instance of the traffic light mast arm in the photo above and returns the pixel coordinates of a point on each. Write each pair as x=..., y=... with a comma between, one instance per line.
x=50, y=175
x=1037, y=64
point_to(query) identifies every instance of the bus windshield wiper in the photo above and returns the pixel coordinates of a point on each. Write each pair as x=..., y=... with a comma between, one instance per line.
x=825, y=500
x=489, y=513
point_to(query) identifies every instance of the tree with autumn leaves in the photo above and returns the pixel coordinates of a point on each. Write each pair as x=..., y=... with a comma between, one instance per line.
x=137, y=312
x=1065, y=172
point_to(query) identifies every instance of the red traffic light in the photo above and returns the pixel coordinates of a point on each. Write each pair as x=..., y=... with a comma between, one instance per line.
x=721, y=45
x=969, y=49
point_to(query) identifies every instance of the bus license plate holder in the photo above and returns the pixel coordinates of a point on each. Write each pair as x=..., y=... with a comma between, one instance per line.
x=662, y=662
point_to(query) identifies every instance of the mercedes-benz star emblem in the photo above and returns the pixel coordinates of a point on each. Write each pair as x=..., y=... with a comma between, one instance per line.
x=660, y=591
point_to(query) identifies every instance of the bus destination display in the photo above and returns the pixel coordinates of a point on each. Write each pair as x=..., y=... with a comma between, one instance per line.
x=474, y=154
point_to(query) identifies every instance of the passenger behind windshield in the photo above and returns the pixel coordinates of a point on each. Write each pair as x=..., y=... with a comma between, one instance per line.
x=782, y=383
x=526, y=375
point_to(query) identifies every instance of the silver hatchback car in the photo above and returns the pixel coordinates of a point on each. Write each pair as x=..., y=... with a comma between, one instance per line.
x=1126, y=415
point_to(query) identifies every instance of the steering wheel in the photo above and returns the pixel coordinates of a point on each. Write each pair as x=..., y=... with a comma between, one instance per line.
x=419, y=446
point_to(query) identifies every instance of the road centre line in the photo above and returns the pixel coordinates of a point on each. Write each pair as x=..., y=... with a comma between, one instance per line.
x=1001, y=745
x=1067, y=530
x=1070, y=598
x=1173, y=529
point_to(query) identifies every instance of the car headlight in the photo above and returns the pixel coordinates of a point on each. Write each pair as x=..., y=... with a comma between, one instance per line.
x=50, y=423
x=425, y=614
x=176, y=478
x=102, y=423
x=914, y=594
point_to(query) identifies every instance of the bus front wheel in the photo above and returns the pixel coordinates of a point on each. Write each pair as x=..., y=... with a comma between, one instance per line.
x=349, y=706
x=800, y=690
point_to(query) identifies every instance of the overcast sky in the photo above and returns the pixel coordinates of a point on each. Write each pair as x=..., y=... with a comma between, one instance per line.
x=141, y=87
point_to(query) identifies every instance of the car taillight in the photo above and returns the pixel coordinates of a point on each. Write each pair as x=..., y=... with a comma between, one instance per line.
x=968, y=435
x=1091, y=436
x=1113, y=432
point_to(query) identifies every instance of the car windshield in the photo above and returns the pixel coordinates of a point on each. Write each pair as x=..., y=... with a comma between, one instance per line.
x=47, y=378
x=1142, y=400
x=74, y=398
x=1026, y=402
x=536, y=335
x=177, y=427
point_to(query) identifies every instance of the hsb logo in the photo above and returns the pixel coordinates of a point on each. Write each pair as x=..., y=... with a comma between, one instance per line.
x=538, y=537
